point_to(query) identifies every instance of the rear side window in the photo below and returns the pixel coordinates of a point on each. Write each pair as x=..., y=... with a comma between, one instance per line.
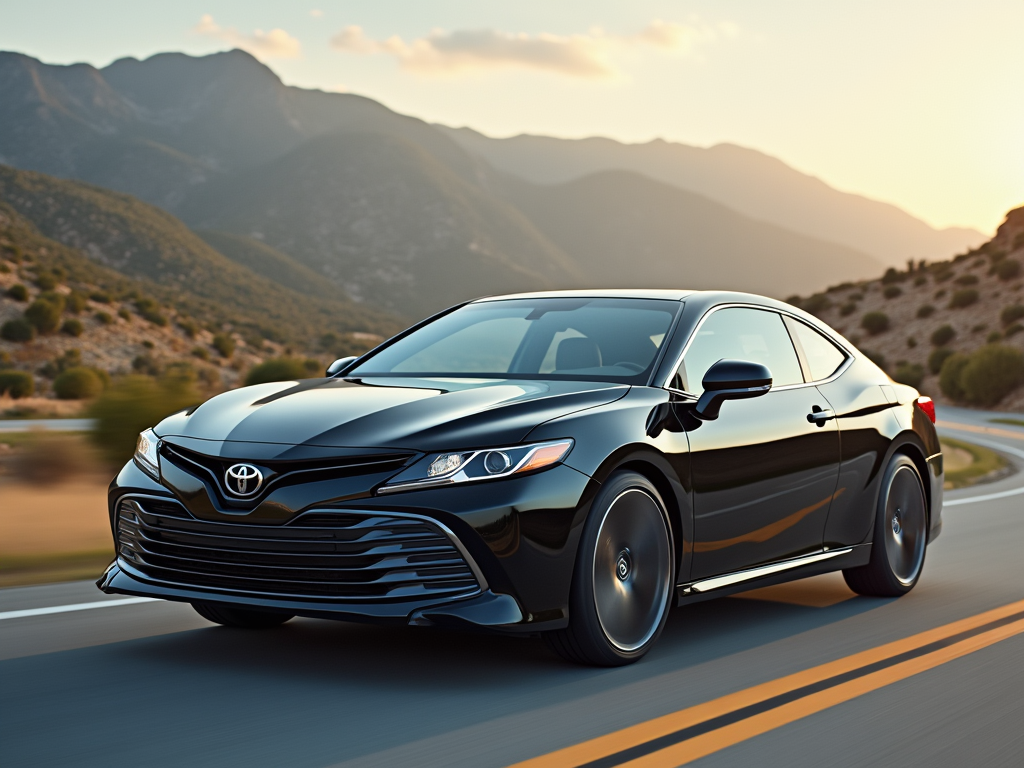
x=822, y=356
x=741, y=333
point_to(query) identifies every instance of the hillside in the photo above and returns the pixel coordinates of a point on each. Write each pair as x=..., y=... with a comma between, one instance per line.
x=140, y=241
x=913, y=320
x=751, y=182
x=626, y=230
x=208, y=138
x=387, y=222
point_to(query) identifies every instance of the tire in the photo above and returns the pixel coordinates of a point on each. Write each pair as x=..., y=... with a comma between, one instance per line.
x=624, y=581
x=247, y=618
x=900, y=537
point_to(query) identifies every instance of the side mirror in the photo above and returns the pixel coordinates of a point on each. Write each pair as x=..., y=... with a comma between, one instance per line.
x=340, y=365
x=731, y=380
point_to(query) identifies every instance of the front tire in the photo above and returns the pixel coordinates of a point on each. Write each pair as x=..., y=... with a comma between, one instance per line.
x=624, y=580
x=246, y=618
x=901, y=535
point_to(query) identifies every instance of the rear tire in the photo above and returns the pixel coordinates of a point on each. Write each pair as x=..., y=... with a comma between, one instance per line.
x=624, y=580
x=246, y=618
x=901, y=535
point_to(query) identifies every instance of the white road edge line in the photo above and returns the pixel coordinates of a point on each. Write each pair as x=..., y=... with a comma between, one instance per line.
x=985, y=497
x=74, y=607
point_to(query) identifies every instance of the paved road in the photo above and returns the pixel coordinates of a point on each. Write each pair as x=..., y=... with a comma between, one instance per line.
x=152, y=684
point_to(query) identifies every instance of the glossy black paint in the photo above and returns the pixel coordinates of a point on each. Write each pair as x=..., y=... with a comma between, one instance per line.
x=763, y=482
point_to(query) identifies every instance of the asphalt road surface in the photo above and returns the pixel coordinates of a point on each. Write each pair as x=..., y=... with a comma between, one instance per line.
x=802, y=675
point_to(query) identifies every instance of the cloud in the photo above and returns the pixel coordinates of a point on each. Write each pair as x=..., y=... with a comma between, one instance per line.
x=589, y=55
x=275, y=44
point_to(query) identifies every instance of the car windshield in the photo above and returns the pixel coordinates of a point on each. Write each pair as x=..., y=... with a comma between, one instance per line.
x=550, y=338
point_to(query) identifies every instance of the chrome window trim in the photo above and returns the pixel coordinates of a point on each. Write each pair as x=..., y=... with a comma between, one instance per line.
x=748, y=305
x=477, y=573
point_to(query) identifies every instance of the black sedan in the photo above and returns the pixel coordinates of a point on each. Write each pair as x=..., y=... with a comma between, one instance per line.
x=568, y=464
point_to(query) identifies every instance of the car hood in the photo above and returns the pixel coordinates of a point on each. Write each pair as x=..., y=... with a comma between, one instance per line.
x=417, y=414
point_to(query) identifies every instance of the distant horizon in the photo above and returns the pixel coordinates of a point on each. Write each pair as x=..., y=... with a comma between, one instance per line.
x=908, y=105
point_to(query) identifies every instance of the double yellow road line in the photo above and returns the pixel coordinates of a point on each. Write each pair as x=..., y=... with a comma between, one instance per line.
x=695, y=732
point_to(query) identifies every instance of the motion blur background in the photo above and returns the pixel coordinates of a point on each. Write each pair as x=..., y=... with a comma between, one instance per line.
x=202, y=195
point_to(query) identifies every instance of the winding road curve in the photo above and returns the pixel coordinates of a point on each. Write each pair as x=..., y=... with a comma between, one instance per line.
x=148, y=683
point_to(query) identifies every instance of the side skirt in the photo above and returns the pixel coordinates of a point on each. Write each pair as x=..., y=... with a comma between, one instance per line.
x=824, y=561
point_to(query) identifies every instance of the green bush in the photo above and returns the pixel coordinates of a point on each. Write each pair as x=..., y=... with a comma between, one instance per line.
x=816, y=304
x=1013, y=330
x=892, y=275
x=892, y=291
x=46, y=281
x=993, y=337
x=875, y=323
x=201, y=352
x=44, y=315
x=72, y=327
x=963, y=298
x=100, y=297
x=224, y=344
x=77, y=384
x=911, y=342
x=992, y=373
x=124, y=314
x=18, y=292
x=5, y=361
x=279, y=369
x=938, y=357
x=848, y=308
x=925, y=310
x=967, y=280
x=943, y=335
x=130, y=406
x=19, y=329
x=75, y=302
x=911, y=374
x=105, y=317
x=16, y=384
x=1012, y=314
x=949, y=375
x=1007, y=269
x=943, y=275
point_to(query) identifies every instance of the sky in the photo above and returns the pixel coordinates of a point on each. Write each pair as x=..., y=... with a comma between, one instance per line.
x=919, y=103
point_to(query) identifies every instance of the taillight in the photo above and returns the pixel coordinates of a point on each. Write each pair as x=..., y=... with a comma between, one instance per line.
x=927, y=405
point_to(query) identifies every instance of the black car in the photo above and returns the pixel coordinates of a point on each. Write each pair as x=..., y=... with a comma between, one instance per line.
x=570, y=464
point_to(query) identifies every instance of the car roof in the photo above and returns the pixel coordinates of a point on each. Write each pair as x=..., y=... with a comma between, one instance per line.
x=597, y=293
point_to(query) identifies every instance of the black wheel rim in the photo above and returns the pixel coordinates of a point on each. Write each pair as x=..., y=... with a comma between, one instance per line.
x=905, y=525
x=632, y=570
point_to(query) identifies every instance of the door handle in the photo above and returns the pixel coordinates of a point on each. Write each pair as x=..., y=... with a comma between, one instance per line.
x=819, y=415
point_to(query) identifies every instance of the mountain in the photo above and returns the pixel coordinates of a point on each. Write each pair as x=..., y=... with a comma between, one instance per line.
x=631, y=231
x=409, y=217
x=386, y=221
x=143, y=242
x=751, y=182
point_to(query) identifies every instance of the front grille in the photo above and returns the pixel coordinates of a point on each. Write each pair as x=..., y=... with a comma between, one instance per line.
x=343, y=555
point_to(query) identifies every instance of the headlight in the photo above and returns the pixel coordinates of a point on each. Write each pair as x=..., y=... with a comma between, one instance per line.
x=467, y=466
x=145, y=453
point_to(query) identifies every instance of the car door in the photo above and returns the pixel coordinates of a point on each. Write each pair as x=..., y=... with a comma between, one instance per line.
x=765, y=471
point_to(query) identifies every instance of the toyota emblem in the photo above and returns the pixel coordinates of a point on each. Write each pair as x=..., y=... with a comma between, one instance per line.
x=243, y=479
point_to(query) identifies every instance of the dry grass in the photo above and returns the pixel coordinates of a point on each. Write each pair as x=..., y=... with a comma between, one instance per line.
x=41, y=408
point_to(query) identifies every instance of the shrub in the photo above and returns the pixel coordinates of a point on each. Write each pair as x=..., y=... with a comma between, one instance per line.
x=938, y=357
x=16, y=384
x=911, y=374
x=75, y=302
x=1013, y=330
x=920, y=280
x=77, y=384
x=940, y=294
x=911, y=342
x=943, y=275
x=963, y=298
x=891, y=275
x=44, y=315
x=892, y=291
x=1012, y=314
x=201, y=352
x=875, y=323
x=46, y=281
x=979, y=328
x=224, y=344
x=190, y=328
x=5, y=361
x=925, y=310
x=278, y=369
x=967, y=280
x=72, y=327
x=949, y=375
x=848, y=308
x=18, y=292
x=943, y=335
x=992, y=373
x=1007, y=269
x=19, y=329
x=124, y=314
x=816, y=304
x=105, y=318
x=130, y=406
x=993, y=337
x=146, y=364
x=100, y=297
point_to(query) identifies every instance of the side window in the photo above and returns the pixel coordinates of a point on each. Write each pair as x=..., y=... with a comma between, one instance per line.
x=740, y=333
x=822, y=356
